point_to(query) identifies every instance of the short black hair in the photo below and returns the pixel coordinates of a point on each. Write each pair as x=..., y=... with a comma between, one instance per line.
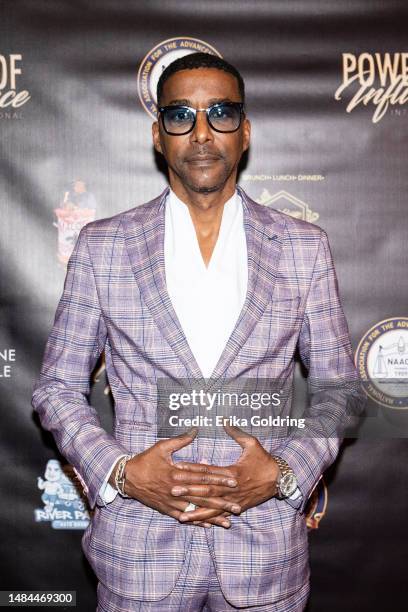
x=198, y=60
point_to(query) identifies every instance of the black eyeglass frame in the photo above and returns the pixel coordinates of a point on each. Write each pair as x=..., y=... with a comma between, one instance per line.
x=207, y=111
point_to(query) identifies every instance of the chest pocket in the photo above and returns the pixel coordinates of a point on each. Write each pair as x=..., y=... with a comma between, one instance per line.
x=276, y=332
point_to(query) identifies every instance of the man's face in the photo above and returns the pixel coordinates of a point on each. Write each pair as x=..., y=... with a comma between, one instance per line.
x=203, y=160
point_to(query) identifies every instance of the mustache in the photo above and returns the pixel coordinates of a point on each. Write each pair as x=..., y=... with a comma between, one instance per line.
x=203, y=154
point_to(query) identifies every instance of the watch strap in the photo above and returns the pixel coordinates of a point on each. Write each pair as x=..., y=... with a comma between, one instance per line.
x=284, y=469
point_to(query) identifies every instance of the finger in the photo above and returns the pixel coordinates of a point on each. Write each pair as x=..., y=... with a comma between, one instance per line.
x=219, y=503
x=220, y=520
x=216, y=520
x=244, y=439
x=206, y=491
x=176, y=515
x=173, y=444
x=205, y=468
x=178, y=505
x=202, y=515
x=181, y=505
x=184, y=477
x=176, y=509
x=202, y=490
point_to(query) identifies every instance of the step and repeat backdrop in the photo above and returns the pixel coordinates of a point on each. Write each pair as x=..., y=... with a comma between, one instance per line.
x=327, y=94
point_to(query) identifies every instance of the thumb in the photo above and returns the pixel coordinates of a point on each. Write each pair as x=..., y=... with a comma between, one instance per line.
x=180, y=441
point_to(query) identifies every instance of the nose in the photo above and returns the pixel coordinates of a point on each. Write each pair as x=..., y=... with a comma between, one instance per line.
x=202, y=131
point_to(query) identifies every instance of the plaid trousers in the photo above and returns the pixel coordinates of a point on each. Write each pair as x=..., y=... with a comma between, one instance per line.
x=197, y=589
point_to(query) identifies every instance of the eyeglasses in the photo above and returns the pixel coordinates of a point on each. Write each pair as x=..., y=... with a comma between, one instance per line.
x=223, y=117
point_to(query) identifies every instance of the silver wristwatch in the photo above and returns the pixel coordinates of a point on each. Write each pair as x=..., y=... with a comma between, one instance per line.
x=287, y=483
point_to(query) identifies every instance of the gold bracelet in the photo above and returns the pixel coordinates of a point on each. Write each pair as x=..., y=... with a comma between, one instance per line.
x=120, y=477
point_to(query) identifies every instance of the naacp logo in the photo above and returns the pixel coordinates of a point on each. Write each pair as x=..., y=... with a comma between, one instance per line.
x=382, y=361
x=64, y=507
x=288, y=204
x=158, y=59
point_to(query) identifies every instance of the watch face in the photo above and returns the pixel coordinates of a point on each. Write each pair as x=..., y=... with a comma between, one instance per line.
x=288, y=484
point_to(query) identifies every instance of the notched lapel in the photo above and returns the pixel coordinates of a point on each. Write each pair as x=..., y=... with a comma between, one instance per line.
x=264, y=234
x=144, y=237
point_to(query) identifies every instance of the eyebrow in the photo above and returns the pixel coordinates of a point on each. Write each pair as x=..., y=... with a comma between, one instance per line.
x=185, y=102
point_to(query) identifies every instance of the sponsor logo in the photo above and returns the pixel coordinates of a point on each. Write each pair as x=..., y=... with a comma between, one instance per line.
x=7, y=361
x=382, y=361
x=288, y=204
x=379, y=80
x=158, y=59
x=288, y=178
x=77, y=208
x=64, y=507
x=11, y=98
x=317, y=505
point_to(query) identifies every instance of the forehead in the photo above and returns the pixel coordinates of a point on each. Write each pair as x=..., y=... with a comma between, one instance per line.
x=200, y=85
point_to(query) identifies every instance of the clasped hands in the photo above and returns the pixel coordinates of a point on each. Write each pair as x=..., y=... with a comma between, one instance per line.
x=217, y=492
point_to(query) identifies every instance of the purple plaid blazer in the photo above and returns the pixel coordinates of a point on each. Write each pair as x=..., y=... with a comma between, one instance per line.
x=115, y=300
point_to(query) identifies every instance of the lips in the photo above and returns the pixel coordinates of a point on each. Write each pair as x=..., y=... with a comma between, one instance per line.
x=197, y=159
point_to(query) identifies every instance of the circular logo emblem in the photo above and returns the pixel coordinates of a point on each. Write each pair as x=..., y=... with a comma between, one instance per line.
x=158, y=59
x=382, y=362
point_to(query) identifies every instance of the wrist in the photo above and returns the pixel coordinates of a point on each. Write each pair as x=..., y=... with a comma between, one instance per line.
x=118, y=475
x=111, y=479
x=286, y=483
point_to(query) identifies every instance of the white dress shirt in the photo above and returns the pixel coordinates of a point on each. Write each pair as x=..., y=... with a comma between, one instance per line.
x=207, y=300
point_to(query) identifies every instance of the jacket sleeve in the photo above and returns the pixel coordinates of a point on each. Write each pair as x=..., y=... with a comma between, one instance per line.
x=335, y=395
x=61, y=394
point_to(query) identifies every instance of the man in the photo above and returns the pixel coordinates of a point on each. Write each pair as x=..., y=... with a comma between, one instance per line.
x=200, y=283
x=78, y=196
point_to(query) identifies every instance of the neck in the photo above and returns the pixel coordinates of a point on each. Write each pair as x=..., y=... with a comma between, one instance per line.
x=205, y=208
x=206, y=213
x=201, y=200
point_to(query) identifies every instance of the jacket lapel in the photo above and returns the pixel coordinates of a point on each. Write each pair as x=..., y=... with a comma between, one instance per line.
x=264, y=235
x=144, y=237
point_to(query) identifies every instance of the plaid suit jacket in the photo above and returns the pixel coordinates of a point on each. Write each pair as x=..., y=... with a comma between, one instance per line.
x=115, y=300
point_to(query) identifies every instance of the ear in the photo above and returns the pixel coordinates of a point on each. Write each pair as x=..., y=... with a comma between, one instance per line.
x=156, y=137
x=246, y=134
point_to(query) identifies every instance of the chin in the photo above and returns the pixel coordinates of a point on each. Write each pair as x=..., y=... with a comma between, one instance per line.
x=206, y=187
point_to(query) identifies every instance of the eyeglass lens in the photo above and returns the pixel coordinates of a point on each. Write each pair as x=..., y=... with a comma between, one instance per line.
x=221, y=117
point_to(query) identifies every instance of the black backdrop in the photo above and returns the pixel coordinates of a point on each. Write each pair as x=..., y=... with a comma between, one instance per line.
x=77, y=146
